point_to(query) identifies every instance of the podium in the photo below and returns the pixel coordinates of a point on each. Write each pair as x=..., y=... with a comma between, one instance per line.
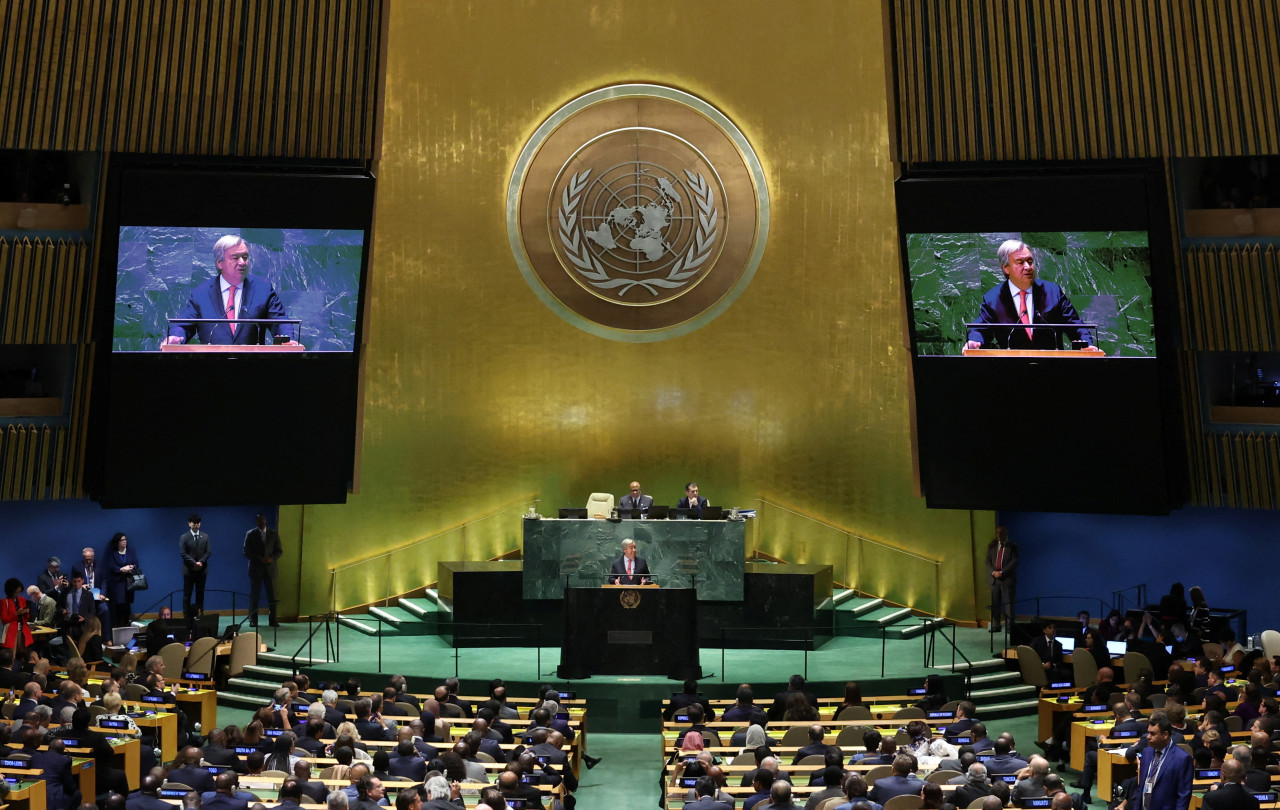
x=630, y=630
x=1090, y=352
x=213, y=348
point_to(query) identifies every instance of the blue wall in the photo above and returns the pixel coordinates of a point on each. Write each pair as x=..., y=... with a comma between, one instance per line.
x=31, y=531
x=1224, y=551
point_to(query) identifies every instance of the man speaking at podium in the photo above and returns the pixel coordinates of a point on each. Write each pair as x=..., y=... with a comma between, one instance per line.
x=1023, y=298
x=231, y=294
x=629, y=569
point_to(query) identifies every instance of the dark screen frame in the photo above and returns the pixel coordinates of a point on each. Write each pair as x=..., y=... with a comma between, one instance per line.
x=172, y=430
x=1102, y=436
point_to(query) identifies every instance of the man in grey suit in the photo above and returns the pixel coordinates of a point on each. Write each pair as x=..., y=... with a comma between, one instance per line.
x=636, y=499
x=262, y=548
x=195, y=550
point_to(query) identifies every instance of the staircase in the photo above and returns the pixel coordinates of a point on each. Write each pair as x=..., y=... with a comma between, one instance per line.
x=416, y=616
x=996, y=690
x=855, y=615
x=255, y=686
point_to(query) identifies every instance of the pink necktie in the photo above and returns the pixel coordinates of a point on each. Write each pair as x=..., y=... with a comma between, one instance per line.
x=231, y=307
x=1022, y=311
x=630, y=570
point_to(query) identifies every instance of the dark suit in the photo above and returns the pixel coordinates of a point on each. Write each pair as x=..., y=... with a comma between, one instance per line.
x=218, y=755
x=258, y=299
x=194, y=777
x=968, y=792
x=221, y=801
x=683, y=503
x=259, y=544
x=619, y=569
x=683, y=700
x=141, y=801
x=707, y=803
x=315, y=790
x=333, y=716
x=370, y=730
x=1003, y=587
x=79, y=606
x=1051, y=305
x=751, y=715
x=779, y=707
x=412, y=768
x=1172, y=790
x=1000, y=765
x=1230, y=796
x=61, y=788
x=194, y=549
x=642, y=503
x=117, y=589
x=886, y=787
x=810, y=750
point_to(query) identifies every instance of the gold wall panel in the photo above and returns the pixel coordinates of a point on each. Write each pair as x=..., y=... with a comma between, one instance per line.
x=476, y=393
x=1071, y=79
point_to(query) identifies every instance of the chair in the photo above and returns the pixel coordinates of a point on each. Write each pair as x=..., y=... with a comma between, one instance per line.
x=909, y=713
x=1270, y=641
x=797, y=736
x=94, y=689
x=832, y=803
x=1212, y=651
x=451, y=710
x=949, y=706
x=134, y=691
x=244, y=652
x=1135, y=662
x=940, y=777
x=901, y=738
x=174, y=656
x=1032, y=667
x=481, y=756
x=1157, y=699
x=851, y=736
x=7, y=708
x=177, y=786
x=976, y=804
x=275, y=774
x=1085, y=669
x=345, y=706
x=908, y=801
x=854, y=713
x=203, y=655
x=745, y=758
x=17, y=755
x=875, y=773
x=1234, y=723
x=599, y=505
x=97, y=711
x=810, y=761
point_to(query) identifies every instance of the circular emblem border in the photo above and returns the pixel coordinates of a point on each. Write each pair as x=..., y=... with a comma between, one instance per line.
x=622, y=91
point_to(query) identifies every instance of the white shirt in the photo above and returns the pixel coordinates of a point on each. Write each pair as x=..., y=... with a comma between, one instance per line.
x=1013, y=290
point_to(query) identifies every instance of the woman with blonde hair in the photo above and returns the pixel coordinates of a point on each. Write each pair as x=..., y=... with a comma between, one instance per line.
x=90, y=642
x=348, y=729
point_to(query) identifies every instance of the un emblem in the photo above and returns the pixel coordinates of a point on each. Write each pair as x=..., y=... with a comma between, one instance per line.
x=638, y=212
x=630, y=600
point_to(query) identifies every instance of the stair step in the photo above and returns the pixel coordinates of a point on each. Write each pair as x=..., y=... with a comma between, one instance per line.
x=867, y=606
x=1013, y=691
x=896, y=616
x=253, y=685
x=981, y=663
x=1007, y=676
x=1010, y=708
x=914, y=630
x=359, y=625
x=418, y=607
x=280, y=658
x=843, y=596
x=255, y=701
x=434, y=596
x=394, y=616
x=264, y=672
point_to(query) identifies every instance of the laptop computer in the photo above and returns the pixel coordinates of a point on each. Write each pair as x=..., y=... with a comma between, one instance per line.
x=573, y=514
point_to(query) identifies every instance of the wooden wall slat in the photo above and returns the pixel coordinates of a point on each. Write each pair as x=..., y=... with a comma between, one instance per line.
x=1097, y=78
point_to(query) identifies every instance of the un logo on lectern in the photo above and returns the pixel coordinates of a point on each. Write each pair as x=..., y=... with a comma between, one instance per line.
x=638, y=212
x=630, y=600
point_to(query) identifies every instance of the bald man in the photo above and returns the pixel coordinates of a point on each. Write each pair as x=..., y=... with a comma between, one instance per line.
x=635, y=499
x=1231, y=794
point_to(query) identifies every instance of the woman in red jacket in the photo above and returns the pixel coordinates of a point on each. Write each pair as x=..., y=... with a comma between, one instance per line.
x=13, y=617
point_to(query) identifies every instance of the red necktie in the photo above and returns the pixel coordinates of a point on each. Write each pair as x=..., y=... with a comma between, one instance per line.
x=1022, y=311
x=999, y=556
x=231, y=308
x=630, y=570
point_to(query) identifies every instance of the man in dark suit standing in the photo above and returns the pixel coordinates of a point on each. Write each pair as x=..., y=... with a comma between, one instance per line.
x=629, y=569
x=1002, y=568
x=1165, y=771
x=1231, y=794
x=635, y=499
x=230, y=295
x=1022, y=298
x=691, y=499
x=77, y=606
x=262, y=549
x=194, y=547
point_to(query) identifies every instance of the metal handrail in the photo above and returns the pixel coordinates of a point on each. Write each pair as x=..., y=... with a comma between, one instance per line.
x=169, y=596
x=1120, y=602
x=861, y=542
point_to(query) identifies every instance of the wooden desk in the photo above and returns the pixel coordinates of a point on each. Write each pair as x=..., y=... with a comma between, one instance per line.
x=165, y=726
x=1082, y=731
x=201, y=707
x=1112, y=768
x=27, y=795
